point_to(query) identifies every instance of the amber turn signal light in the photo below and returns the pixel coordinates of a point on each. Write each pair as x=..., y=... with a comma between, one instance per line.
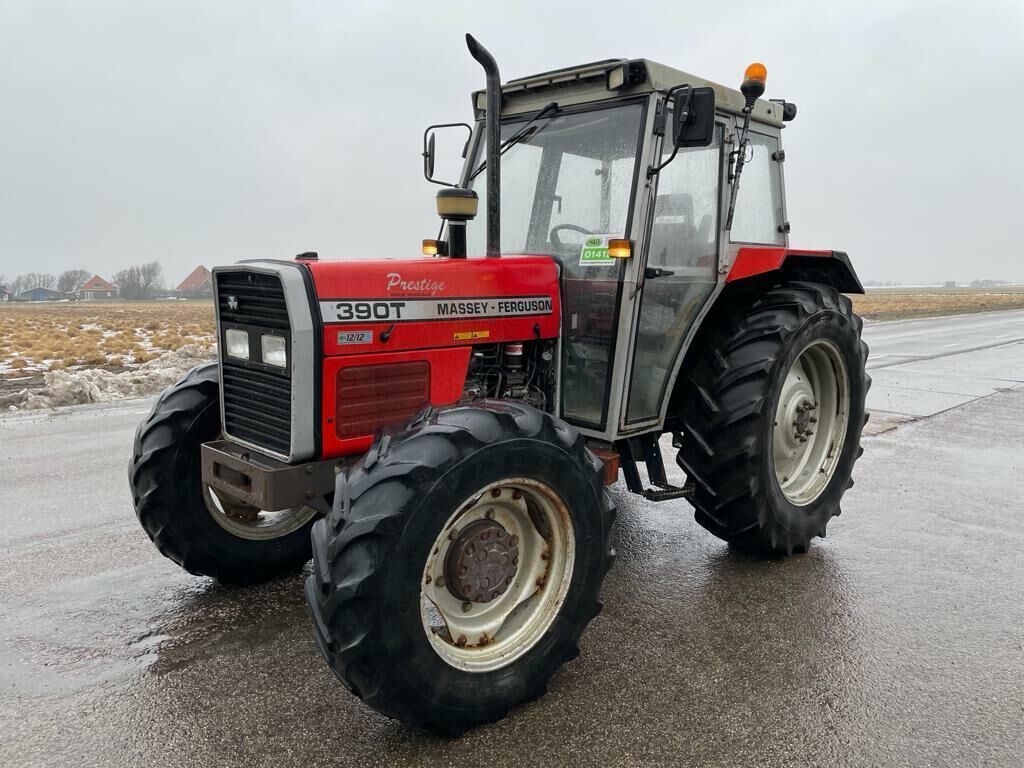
x=434, y=247
x=620, y=249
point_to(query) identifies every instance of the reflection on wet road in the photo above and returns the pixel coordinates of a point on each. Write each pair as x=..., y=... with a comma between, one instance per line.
x=899, y=640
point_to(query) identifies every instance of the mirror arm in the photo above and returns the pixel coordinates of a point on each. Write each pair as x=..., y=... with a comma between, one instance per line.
x=663, y=118
x=427, y=150
x=654, y=169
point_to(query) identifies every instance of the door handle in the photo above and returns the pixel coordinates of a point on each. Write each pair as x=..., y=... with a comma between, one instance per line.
x=652, y=272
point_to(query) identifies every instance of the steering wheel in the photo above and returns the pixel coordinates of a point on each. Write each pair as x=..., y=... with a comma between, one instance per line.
x=556, y=240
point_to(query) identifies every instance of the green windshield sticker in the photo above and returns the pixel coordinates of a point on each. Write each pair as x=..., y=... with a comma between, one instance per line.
x=594, y=252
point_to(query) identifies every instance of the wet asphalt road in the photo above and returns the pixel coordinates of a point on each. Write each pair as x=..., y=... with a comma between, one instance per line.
x=897, y=641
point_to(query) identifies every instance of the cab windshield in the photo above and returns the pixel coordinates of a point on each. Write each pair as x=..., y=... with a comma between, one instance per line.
x=570, y=176
x=566, y=187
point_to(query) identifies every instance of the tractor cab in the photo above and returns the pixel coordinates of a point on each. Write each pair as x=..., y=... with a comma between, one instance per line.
x=597, y=172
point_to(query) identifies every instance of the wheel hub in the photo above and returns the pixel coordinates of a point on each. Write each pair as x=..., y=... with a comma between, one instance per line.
x=803, y=420
x=482, y=562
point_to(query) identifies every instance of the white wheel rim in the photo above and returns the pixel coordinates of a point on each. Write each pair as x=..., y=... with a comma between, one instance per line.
x=810, y=422
x=475, y=635
x=251, y=523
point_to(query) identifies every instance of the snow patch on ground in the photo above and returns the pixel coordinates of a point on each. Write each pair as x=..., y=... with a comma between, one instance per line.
x=100, y=386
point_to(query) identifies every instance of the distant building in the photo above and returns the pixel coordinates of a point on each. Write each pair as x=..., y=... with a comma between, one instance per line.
x=40, y=294
x=198, y=285
x=96, y=288
x=6, y=294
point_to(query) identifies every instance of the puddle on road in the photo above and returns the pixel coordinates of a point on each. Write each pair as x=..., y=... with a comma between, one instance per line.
x=147, y=619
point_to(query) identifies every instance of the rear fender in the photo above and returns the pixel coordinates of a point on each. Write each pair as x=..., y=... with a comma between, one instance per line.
x=828, y=267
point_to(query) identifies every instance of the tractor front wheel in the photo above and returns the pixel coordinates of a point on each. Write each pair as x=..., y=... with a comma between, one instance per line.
x=461, y=564
x=772, y=411
x=205, y=533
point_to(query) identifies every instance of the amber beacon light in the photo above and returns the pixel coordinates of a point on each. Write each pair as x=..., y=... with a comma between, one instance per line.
x=754, y=79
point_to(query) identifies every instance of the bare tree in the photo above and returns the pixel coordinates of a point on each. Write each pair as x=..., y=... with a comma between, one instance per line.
x=31, y=280
x=71, y=279
x=140, y=281
x=151, y=278
x=129, y=283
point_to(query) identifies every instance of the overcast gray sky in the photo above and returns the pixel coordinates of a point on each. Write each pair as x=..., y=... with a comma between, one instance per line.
x=206, y=132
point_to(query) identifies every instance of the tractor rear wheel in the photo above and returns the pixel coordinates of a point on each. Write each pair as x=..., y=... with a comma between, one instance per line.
x=205, y=533
x=771, y=414
x=461, y=564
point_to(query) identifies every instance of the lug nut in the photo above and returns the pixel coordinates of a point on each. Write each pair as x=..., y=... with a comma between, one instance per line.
x=466, y=606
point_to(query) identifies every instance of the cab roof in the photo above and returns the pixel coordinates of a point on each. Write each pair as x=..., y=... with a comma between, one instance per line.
x=588, y=82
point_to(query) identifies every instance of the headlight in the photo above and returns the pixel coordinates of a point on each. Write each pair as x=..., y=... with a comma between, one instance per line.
x=237, y=343
x=274, y=351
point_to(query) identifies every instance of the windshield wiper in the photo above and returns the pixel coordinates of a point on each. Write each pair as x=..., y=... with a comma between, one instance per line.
x=527, y=131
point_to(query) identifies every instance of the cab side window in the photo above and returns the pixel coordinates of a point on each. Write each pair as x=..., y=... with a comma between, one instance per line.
x=759, y=201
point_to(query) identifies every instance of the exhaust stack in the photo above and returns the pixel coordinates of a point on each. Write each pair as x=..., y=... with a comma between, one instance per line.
x=492, y=132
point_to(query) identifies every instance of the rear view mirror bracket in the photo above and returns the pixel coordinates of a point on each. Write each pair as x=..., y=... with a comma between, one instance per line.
x=428, y=150
x=693, y=120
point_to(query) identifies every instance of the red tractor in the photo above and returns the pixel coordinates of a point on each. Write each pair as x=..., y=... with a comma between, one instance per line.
x=438, y=433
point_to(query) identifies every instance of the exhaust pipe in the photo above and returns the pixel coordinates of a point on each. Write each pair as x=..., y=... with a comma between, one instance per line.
x=492, y=131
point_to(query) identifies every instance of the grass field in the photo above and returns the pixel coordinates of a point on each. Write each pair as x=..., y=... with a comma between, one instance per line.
x=36, y=338
x=45, y=337
x=897, y=303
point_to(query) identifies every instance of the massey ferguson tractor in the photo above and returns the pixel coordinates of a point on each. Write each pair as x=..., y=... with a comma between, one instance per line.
x=439, y=432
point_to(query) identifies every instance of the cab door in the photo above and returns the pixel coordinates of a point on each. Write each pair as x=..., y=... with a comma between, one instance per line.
x=680, y=272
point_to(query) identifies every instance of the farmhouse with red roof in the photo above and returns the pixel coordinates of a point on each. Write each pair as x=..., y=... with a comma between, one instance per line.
x=96, y=288
x=198, y=284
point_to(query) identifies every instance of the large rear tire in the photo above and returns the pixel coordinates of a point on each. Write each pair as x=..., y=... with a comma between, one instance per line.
x=461, y=564
x=205, y=534
x=772, y=408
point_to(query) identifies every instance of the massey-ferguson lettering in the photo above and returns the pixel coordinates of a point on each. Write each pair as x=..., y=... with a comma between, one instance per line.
x=437, y=433
x=434, y=309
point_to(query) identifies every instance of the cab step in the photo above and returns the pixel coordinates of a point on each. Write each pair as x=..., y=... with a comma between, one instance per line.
x=646, y=448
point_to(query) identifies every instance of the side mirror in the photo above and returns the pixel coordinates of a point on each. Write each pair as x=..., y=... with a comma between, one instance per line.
x=693, y=116
x=428, y=158
x=429, y=149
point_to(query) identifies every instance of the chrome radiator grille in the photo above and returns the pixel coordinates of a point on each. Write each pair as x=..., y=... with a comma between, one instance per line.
x=256, y=397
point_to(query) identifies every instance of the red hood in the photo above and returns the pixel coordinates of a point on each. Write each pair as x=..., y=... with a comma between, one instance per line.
x=431, y=276
x=435, y=302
